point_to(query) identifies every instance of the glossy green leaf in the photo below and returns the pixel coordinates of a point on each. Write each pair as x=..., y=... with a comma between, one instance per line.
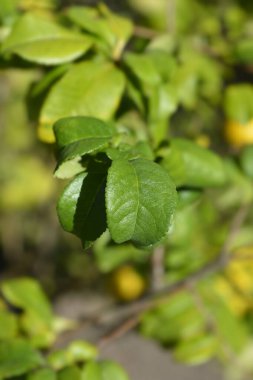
x=104, y=370
x=42, y=374
x=140, y=201
x=191, y=165
x=77, y=136
x=84, y=91
x=26, y=293
x=81, y=208
x=8, y=325
x=239, y=102
x=17, y=357
x=196, y=350
x=39, y=40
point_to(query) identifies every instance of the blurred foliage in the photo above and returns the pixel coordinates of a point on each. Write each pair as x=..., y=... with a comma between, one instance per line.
x=172, y=83
x=29, y=328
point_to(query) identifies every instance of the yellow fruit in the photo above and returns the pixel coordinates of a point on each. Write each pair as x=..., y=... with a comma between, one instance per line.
x=127, y=283
x=238, y=134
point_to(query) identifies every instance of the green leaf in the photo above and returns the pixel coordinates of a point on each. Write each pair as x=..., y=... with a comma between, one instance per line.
x=239, y=103
x=17, y=357
x=243, y=51
x=196, y=350
x=112, y=371
x=70, y=373
x=143, y=68
x=27, y=294
x=81, y=208
x=82, y=351
x=190, y=164
x=246, y=160
x=109, y=27
x=140, y=201
x=77, y=136
x=89, y=88
x=39, y=40
x=42, y=374
x=8, y=325
x=104, y=370
x=77, y=351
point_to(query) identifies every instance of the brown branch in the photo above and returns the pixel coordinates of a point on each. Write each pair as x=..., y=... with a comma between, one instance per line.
x=143, y=32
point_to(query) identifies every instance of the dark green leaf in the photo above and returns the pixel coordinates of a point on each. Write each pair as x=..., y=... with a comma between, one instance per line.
x=141, y=199
x=77, y=136
x=81, y=208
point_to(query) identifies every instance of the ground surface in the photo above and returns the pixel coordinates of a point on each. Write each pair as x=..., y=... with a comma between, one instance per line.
x=143, y=359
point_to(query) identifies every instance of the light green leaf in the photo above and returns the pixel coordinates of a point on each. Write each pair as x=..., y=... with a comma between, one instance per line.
x=196, y=350
x=111, y=28
x=17, y=357
x=8, y=325
x=77, y=351
x=77, y=136
x=89, y=89
x=81, y=208
x=140, y=201
x=246, y=160
x=38, y=40
x=112, y=371
x=92, y=371
x=191, y=165
x=143, y=68
x=27, y=294
x=82, y=350
x=42, y=374
x=104, y=370
x=70, y=373
x=239, y=103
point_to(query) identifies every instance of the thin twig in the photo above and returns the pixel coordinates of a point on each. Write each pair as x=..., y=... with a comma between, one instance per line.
x=143, y=32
